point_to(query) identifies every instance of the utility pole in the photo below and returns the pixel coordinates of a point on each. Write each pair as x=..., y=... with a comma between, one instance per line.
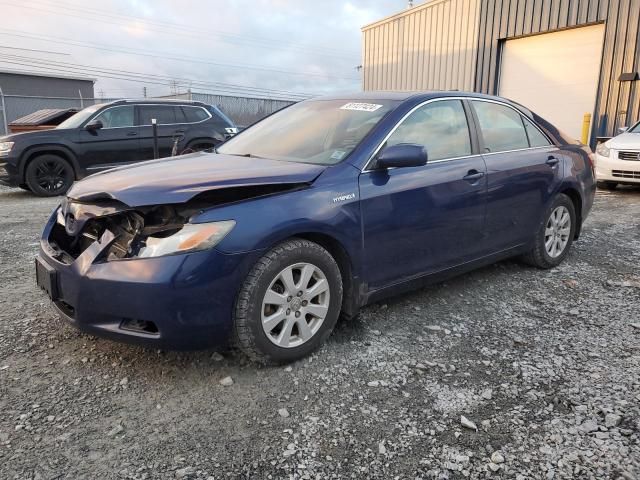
x=144, y=92
x=4, y=113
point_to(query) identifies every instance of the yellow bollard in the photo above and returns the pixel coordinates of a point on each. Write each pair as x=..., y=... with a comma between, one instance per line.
x=586, y=124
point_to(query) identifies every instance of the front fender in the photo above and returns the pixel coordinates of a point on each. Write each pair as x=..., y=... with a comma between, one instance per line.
x=332, y=210
x=54, y=148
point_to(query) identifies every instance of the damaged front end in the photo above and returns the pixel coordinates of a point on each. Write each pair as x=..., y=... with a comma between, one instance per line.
x=144, y=231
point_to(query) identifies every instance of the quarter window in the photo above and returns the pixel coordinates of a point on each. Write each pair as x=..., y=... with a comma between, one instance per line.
x=536, y=138
x=441, y=127
x=117, y=117
x=501, y=126
x=195, y=114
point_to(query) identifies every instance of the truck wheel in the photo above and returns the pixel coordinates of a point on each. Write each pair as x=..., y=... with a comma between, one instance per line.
x=289, y=303
x=49, y=175
x=555, y=236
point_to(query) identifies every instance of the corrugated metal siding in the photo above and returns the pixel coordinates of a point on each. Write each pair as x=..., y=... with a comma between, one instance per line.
x=617, y=103
x=34, y=85
x=431, y=46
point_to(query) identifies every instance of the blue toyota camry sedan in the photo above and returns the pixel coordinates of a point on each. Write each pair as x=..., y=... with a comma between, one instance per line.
x=314, y=212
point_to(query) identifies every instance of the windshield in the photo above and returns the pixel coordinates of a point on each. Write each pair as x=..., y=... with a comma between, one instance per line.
x=79, y=118
x=315, y=131
x=635, y=128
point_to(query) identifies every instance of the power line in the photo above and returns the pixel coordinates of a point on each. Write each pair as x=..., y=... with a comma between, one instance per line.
x=154, y=54
x=67, y=9
x=143, y=75
x=35, y=50
x=145, y=78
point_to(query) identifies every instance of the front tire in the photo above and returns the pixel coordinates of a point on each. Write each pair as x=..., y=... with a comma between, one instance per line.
x=289, y=303
x=49, y=176
x=555, y=235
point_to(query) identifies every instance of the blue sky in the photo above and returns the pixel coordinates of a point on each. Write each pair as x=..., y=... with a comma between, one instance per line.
x=282, y=46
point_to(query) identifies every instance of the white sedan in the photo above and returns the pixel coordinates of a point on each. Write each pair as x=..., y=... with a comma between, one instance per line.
x=618, y=159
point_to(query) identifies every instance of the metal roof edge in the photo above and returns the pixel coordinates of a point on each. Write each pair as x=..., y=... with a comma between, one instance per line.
x=45, y=75
x=422, y=6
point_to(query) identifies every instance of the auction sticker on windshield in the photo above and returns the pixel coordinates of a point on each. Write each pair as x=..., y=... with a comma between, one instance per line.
x=361, y=107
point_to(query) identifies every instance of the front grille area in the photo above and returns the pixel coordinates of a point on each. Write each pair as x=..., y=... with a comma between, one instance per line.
x=626, y=174
x=629, y=156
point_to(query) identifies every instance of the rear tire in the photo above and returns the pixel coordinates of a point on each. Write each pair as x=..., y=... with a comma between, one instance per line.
x=607, y=185
x=555, y=234
x=49, y=176
x=279, y=316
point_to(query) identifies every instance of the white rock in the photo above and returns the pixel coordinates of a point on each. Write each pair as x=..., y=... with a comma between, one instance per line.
x=589, y=426
x=635, y=325
x=497, y=457
x=374, y=383
x=283, y=412
x=185, y=472
x=124, y=381
x=226, y=382
x=382, y=450
x=288, y=369
x=612, y=420
x=468, y=423
x=217, y=357
x=433, y=328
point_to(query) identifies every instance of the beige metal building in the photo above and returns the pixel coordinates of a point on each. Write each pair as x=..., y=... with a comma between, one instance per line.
x=429, y=47
x=561, y=58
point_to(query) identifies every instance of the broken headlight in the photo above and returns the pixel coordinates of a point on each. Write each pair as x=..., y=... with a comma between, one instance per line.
x=190, y=238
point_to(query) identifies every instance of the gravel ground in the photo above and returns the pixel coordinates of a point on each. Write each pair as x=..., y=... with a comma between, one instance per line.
x=544, y=364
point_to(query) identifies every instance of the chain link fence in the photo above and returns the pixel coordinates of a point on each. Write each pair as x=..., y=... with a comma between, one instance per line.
x=242, y=110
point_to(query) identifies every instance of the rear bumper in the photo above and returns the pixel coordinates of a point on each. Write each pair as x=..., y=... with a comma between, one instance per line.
x=188, y=298
x=618, y=171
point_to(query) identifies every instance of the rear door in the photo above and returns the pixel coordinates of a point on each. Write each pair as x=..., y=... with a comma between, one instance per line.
x=524, y=171
x=116, y=143
x=421, y=220
x=170, y=120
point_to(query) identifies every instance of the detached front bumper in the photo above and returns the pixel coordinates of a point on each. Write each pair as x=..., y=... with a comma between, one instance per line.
x=609, y=169
x=177, y=302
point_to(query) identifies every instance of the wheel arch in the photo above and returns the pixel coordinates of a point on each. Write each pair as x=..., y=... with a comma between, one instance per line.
x=350, y=281
x=576, y=199
x=57, y=150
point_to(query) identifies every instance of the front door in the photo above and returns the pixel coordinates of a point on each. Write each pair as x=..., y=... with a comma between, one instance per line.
x=524, y=170
x=422, y=220
x=114, y=144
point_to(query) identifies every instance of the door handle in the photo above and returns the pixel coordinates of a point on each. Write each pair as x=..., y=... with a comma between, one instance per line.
x=179, y=132
x=552, y=161
x=473, y=175
x=132, y=134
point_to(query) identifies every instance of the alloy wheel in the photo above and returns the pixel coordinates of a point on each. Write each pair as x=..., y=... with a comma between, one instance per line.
x=50, y=175
x=557, y=231
x=295, y=305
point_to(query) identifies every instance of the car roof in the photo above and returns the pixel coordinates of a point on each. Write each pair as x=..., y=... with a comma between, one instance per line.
x=155, y=101
x=413, y=95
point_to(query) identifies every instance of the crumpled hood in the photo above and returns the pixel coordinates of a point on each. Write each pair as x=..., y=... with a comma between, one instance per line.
x=179, y=179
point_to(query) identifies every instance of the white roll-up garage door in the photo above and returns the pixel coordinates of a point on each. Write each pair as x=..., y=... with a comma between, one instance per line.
x=554, y=74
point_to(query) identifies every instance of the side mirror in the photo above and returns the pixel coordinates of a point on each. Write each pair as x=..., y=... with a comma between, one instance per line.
x=94, y=125
x=402, y=155
x=623, y=129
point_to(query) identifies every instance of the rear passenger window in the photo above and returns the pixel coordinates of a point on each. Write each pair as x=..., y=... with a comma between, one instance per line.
x=195, y=114
x=501, y=126
x=164, y=114
x=440, y=126
x=536, y=138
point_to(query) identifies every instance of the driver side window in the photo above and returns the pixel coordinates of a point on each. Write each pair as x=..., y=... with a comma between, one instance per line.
x=441, y=127
x=117, y=117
